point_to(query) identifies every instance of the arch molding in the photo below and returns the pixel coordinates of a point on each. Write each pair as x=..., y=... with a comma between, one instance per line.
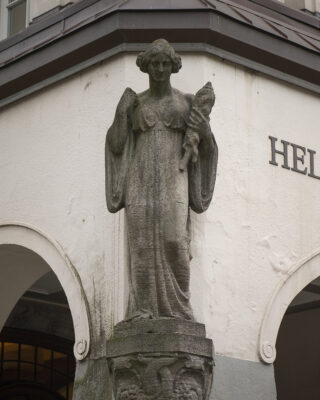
x=53, y=254
x=299, y=276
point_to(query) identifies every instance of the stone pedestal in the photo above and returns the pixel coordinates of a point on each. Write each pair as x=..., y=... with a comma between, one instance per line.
x=163, y=359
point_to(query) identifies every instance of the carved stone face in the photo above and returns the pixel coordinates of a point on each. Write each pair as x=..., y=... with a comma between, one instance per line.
x=160, y=68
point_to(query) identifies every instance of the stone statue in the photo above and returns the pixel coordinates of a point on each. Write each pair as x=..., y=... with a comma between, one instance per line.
x=144, y=151
x=159, y=351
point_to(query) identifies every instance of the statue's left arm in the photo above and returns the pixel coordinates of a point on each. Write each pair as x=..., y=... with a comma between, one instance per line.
x=202, y=174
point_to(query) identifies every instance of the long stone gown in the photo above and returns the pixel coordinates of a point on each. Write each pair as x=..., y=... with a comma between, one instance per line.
x=146, y=180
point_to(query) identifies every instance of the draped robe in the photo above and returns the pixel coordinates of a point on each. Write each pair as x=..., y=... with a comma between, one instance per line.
x=144, y=177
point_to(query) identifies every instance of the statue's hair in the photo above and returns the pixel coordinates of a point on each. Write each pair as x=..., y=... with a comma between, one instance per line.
x=156, y=47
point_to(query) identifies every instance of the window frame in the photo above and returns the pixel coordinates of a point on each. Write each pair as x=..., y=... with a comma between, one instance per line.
x=38, y=340
x=5, y=7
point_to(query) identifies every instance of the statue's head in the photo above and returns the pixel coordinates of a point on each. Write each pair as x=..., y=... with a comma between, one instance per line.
x=159, y=47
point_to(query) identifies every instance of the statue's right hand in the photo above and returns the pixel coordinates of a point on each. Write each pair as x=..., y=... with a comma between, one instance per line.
x=128, y=100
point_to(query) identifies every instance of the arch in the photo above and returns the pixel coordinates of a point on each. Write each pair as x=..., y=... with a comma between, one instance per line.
x=299, y=276
x=52, y=253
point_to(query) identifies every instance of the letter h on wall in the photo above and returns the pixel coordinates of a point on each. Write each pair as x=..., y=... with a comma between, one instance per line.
x=274, y=151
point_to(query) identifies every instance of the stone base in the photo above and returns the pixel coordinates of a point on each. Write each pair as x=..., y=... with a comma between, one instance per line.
x=164, y=359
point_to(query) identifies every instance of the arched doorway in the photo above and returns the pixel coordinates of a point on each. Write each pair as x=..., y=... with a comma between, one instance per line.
x=36, y=341
x=290, y=331
x=44, y=324
x=297, y=366
x=27, y=238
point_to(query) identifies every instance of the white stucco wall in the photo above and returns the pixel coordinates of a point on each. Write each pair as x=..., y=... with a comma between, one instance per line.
x=263, y=218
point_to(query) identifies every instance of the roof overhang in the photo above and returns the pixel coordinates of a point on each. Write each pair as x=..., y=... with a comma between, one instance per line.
x=92, y=30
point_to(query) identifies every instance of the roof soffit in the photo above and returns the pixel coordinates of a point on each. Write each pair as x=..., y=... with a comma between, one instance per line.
x=92, y=26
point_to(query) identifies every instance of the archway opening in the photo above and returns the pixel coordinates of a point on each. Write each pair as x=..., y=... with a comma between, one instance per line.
x=297, y=366
x=36, y=329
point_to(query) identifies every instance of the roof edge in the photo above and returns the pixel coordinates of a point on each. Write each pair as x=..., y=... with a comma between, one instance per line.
x=64, y=46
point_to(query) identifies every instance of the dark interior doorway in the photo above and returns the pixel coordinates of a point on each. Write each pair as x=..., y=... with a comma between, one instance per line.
x=36, y=342
x=297, y=366
x=27, y=391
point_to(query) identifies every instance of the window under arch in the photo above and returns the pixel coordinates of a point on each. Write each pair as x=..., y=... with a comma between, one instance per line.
x=35, y=366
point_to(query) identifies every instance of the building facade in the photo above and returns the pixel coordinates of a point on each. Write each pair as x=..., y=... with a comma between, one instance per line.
x=256, y=251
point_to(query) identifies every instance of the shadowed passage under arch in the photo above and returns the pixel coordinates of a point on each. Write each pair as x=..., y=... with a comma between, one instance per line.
x=297, y=278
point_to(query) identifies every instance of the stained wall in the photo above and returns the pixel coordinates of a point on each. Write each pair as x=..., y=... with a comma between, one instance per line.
x=262, y=220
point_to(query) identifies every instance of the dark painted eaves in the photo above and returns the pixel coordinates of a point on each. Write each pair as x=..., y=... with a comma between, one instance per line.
x=88, y=28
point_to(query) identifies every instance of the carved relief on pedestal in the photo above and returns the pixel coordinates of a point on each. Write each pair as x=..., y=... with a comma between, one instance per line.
x=162, y=377
x=162, y=359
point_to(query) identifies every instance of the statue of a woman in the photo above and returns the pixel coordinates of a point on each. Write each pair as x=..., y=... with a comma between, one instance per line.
x=143, y=151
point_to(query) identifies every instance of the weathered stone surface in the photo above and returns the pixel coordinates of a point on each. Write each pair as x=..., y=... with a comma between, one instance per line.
x=202, y=104
x=163, y=335
x=162, y=342
x=158, y=352
x=144, y=148
x=174, y=376
x=161, y=325
x=170, y=365
x=92, y=380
